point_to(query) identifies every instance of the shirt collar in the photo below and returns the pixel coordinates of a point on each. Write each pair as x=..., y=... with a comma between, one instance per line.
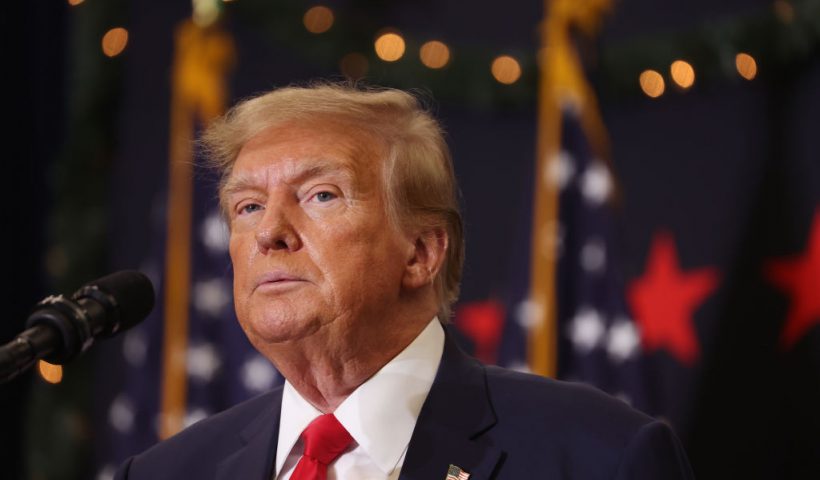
x=295, y=416
x=381, y=414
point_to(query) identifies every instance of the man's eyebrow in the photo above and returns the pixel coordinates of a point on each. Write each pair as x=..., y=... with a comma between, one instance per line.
x=344, y=170
x=238, y=183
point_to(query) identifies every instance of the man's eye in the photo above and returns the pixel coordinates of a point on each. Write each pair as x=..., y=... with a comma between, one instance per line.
x=249, y=208
x=325, y=196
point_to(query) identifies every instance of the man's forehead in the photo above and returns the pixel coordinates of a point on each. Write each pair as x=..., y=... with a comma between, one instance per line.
x=294, y=151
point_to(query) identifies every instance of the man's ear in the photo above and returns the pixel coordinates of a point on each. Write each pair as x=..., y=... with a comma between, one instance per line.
x=426, y=258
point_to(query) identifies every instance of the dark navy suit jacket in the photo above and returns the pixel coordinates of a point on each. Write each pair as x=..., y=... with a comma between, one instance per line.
x=491, y=422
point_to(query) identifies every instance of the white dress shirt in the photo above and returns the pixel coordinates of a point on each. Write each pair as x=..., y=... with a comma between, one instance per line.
x=380, y=415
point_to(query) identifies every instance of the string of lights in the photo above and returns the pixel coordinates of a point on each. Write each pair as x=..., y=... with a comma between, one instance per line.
x=772, y=43
x=736, y=49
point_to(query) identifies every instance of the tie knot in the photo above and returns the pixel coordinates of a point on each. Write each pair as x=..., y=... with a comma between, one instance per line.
x=325, y=439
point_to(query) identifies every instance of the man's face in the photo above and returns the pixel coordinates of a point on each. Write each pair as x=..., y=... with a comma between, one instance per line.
x=311, y=244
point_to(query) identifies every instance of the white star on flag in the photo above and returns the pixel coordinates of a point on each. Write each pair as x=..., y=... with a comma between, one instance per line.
x=622, y=340
x=593, y=255
x=203, y=362
x=596, y=183
x=587, y=329
x=212, y=296
x=258, y=374
x=215, y=234
x=561, y=170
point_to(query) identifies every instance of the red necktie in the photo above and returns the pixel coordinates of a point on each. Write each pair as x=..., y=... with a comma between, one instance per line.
x=324, y=439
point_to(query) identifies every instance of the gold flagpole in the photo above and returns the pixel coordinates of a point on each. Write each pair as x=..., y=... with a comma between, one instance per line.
x=203, y=55
x=562, y=83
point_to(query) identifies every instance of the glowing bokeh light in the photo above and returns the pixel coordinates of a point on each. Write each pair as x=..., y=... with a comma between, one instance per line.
x=746, y=65
x=354, y=65
x=506, y=69
x=318, y=19
x=50, y=372
x=784, y=10
x=652, y=83
x=74, y=3
x=682, y=74
x=434, y=54
x=114, y=41
x=389, y=46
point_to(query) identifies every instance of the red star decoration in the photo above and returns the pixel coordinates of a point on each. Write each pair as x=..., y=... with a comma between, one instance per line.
x=482, y=321
x=800, y=277
x=664, y=299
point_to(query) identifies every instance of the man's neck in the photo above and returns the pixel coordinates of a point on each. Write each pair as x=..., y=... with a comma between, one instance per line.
x=325, y=371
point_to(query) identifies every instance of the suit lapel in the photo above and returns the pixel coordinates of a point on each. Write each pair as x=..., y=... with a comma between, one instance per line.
x=455, y=415
x=449, y=429
x=255, y=458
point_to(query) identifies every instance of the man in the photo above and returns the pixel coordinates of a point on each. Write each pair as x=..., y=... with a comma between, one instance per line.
x=346, y=243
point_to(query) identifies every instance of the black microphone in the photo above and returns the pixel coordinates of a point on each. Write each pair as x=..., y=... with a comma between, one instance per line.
x=61, y=328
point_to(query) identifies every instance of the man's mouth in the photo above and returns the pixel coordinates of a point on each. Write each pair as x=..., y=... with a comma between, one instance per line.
x=277, y=279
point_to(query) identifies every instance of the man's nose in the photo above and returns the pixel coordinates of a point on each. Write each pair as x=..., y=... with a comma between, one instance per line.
x=276, y=231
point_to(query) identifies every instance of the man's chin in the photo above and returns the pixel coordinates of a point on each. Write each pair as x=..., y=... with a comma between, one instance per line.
x=273, y=331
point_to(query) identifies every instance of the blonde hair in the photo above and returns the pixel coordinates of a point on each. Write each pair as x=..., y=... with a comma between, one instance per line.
x=421, y=187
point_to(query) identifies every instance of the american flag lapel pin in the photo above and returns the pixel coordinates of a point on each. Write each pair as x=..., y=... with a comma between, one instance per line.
x=456, y=473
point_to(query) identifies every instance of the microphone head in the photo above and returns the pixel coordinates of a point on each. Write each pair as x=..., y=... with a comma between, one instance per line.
x=97, y=310
x=128, y=293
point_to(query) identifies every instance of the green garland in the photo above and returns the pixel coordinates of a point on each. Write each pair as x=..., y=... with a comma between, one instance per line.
x=781, y=41
x=465, y=80
x=778, y=41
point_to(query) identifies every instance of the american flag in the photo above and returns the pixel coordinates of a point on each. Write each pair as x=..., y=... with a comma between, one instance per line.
x=456, y=473
x=598, y=341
